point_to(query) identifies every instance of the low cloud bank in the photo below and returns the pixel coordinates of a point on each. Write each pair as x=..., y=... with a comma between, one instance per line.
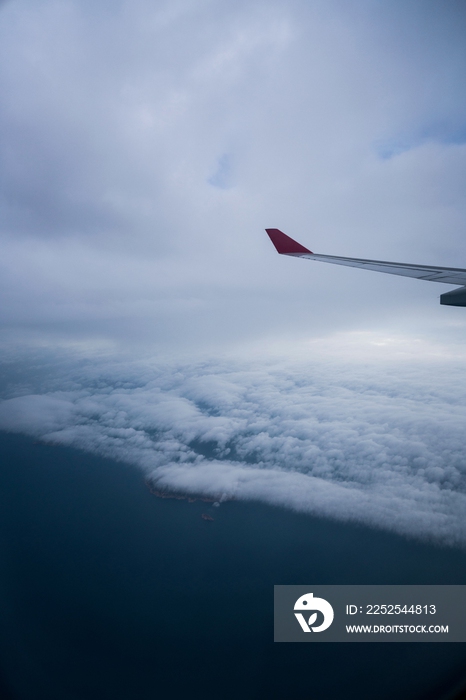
x=381, y=445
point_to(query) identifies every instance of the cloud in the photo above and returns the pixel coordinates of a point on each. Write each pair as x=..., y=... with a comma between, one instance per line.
x=146, y=146
x=377, y=444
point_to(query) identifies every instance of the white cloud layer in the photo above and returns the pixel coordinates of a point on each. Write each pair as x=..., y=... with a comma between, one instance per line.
x=381, y=444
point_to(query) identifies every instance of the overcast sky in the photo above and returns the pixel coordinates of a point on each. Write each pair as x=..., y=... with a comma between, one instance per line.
x=145, y=147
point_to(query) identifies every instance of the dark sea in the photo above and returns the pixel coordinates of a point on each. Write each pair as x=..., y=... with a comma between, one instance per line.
x=108, y=592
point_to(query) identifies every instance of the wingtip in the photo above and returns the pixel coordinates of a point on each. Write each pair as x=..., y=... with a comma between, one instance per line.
x=284, y=244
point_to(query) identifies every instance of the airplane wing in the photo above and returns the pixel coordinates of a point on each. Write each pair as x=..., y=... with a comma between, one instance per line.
x=449, y=275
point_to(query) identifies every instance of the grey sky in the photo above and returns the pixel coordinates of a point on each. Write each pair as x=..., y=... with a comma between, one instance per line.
x=147, y=145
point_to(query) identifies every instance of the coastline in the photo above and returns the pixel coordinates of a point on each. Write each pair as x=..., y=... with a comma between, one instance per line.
x=182, y=496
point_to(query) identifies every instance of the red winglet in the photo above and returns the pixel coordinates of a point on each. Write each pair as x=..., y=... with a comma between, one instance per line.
x=284, y=244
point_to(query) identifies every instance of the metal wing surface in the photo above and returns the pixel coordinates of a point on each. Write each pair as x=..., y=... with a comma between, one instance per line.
x=432, y=273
